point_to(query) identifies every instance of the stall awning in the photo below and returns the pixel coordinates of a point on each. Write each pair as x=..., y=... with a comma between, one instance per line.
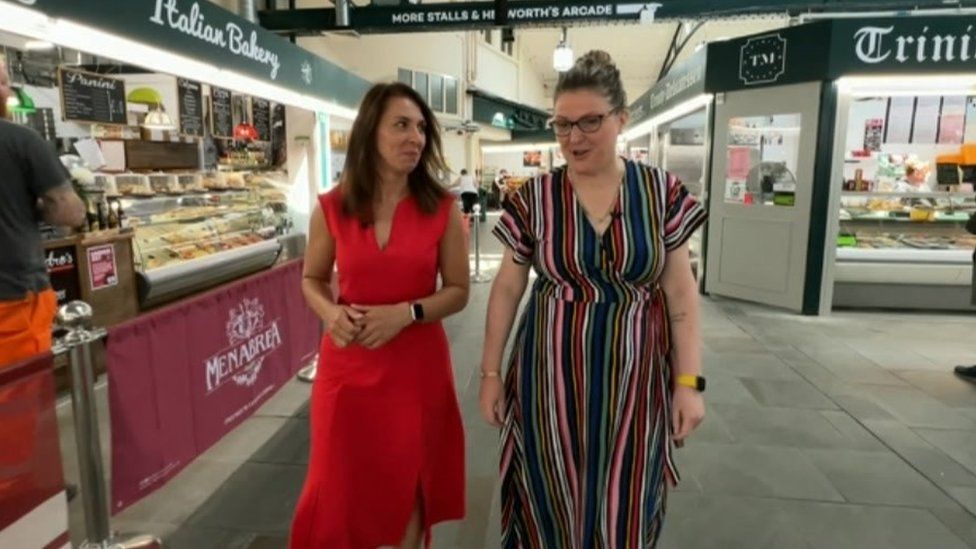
x=522, y=120
x=684, y=82
x=194, y=39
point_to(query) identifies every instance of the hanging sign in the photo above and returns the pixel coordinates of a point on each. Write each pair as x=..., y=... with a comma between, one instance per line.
x=461, y=15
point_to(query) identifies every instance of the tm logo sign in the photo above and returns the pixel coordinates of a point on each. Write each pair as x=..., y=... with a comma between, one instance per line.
x=762, y=60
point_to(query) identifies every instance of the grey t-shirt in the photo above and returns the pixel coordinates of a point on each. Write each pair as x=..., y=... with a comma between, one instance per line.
x=28, y=169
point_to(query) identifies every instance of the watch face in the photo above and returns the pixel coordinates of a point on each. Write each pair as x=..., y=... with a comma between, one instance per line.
x=700, y=381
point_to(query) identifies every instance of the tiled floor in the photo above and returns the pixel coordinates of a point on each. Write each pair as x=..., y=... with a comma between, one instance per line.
x=840, y=432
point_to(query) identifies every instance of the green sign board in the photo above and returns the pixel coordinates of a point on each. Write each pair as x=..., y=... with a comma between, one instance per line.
x=903, y=45
x=203, y=31
x=436, y=17
x=783, y=56
x=508, y=115
x=829, y=50
x=684, y=82
x=472, y=15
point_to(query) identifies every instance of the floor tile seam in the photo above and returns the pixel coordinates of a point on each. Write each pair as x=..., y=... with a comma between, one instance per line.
x=845, y=503
x=863, y=426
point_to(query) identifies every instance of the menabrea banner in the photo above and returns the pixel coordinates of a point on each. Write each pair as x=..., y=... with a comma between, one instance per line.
x=33, y=506
x=183, y=377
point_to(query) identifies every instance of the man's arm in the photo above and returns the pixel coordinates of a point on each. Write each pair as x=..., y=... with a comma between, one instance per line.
x=61, y=206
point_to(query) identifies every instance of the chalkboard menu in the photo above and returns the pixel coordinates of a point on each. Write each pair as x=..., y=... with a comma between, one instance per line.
x=191, y=107
x=261, y=115
x=90, y=97
x=221, y=115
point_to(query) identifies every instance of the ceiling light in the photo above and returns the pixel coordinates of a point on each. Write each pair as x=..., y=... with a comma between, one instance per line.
x=245, y=132
x=562, y=56
x=37, y=45
x=157, y=119
x=145, y=96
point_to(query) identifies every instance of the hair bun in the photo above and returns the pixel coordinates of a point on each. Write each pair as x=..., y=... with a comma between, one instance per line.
x=596, y=59
x=595, y=70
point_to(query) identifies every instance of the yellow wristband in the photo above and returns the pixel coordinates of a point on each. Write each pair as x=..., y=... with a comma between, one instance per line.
x=490, y=373
x=691, y=381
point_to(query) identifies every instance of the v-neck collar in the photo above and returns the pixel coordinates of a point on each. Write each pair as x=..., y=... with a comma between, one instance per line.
x=389, y=239
x=581, y=210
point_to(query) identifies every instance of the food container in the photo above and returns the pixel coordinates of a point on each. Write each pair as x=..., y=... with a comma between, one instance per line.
x=921, y=214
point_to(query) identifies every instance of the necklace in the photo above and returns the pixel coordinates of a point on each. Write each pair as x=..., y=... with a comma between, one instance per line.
x=598, y=222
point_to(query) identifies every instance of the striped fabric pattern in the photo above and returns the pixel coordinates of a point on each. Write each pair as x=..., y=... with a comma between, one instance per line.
x=586, y=443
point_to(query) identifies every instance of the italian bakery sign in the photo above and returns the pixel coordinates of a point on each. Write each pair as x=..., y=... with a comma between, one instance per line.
x=190, y=21
x=762, y=59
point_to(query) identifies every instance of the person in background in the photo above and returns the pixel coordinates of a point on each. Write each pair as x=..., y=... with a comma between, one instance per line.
x=604, y=375
x=501, y=185
x=387, y=451
x=34, y=186
x=969, y=372
x=468, y=188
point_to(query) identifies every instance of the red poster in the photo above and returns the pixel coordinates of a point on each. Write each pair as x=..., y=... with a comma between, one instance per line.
x=101, y=267
x=739, y=162
x=184, y=376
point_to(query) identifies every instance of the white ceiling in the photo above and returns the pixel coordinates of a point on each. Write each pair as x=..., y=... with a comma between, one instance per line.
x=638, y=50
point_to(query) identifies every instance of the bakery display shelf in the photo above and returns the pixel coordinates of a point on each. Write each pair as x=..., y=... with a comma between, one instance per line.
x=182, y=278
x=945, y=219
x=906, y=255
x=891, y=194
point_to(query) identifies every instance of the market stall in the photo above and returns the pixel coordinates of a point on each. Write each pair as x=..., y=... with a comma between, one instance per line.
x=841, y=168
x=669, y=127
x=197, y=150
x=196, y=166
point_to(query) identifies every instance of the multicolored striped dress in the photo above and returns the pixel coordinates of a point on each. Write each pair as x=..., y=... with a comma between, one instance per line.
x=586, y=442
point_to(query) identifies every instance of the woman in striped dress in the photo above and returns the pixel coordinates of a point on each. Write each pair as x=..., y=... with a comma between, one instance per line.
x=603, y=378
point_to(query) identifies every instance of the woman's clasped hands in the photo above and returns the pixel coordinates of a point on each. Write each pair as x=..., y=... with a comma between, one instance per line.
x=369, y=326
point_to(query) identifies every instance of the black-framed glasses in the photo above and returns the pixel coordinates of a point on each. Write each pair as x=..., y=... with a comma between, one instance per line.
x=587, y=124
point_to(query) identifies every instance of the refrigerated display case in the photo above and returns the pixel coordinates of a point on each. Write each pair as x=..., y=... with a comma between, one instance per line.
x=901, y=240
x=184, y=244
x=904, y=250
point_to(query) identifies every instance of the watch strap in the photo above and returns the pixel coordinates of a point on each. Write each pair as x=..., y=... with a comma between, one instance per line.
x=416, y=311
x=688, y=380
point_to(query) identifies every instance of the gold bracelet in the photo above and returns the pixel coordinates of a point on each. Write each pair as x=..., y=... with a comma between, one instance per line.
x=490, y=373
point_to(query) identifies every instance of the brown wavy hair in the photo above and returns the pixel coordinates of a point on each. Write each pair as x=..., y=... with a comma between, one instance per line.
x=360, y=177
x=5, y=77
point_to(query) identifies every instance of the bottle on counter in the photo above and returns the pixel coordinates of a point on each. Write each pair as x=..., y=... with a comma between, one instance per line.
x=91, y=215
x=123, y=218
x=102, y=216
x=113, y=214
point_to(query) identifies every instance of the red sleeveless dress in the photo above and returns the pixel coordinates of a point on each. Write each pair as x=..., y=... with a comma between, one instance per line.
x=385, y=424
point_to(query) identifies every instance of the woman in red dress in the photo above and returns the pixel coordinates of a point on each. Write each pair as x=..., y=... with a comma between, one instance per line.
x=387, y=455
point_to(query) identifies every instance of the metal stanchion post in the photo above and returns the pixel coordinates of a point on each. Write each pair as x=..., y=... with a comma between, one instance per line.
x=478, y=277
x=76, y=318
x=307, y=373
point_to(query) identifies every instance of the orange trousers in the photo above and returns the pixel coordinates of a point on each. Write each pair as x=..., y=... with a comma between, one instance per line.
x=25, y=326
